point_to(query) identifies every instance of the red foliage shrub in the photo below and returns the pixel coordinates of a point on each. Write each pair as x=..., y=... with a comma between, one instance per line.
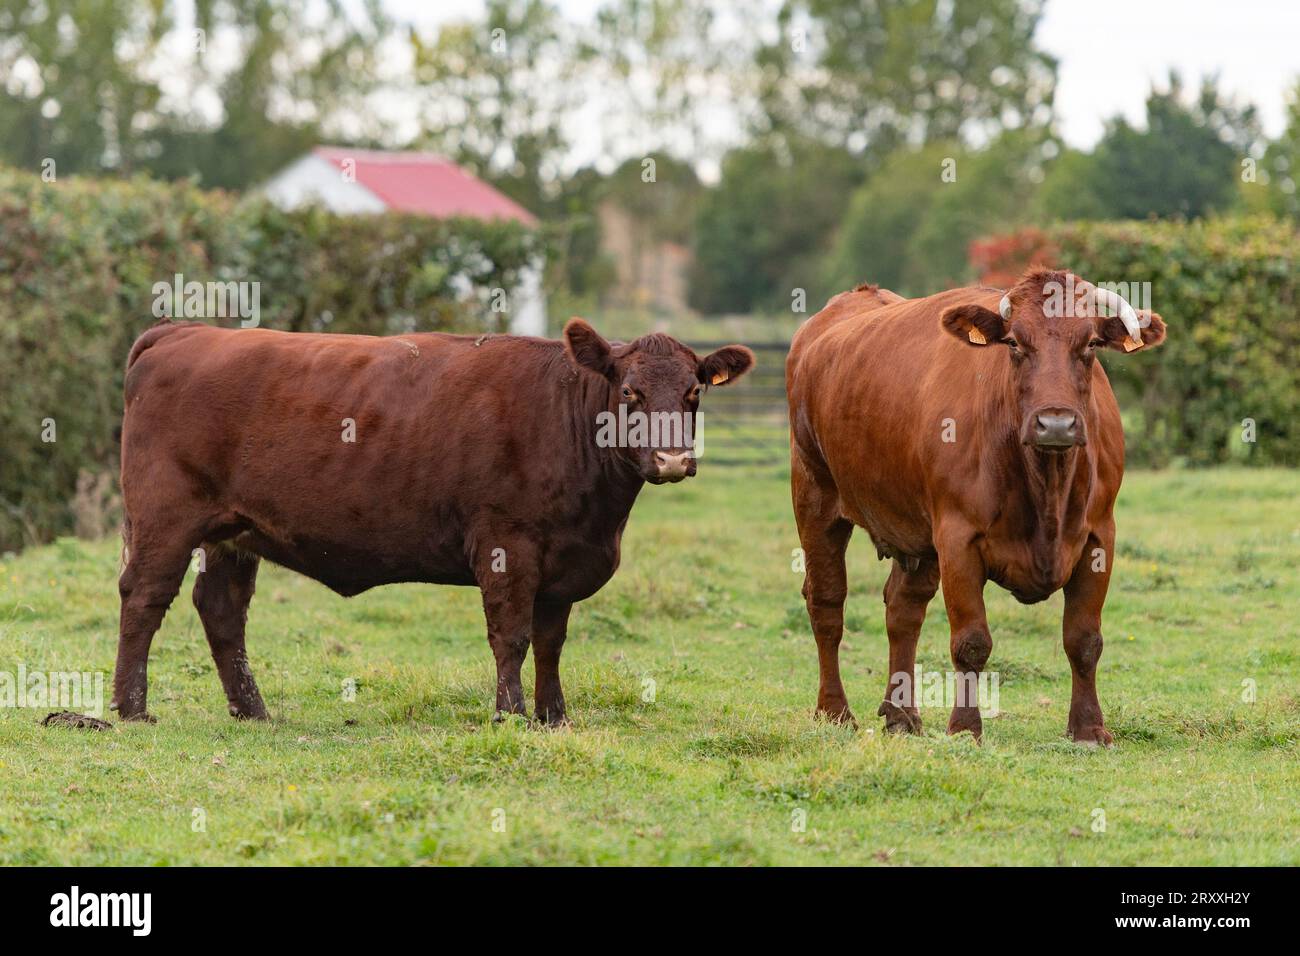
x=1000, y=260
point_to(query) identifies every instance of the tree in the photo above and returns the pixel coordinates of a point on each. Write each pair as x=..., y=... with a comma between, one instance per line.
x=85, y=90
x=660, y=201
x=667, y=72
x=882, y=217
x=303, y=69
x=661, y=192
x=883, y=73
x=497, y=94
x=762, y=231
x=75, y=86
x=1277, y=188
x=991, y=193
x=1185, y=163
x=578, y=265
x=910, y=226
x=1069, y=190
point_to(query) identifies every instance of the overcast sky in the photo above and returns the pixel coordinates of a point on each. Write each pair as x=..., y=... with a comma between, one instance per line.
x=1110, y=51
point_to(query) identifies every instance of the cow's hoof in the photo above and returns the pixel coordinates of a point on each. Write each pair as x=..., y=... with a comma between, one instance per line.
x=836, y=714
x=501, y=716
x=1092, y=736
x=143, y=717
x=552, y=716
x=900, y=720
x=249, y=712
x=960, y=723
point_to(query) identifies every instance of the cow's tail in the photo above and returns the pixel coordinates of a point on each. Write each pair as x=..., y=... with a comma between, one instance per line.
x=150, y=336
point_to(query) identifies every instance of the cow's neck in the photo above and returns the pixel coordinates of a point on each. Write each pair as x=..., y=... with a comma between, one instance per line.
x=1054, y=483
x=1039, y=530
x=1054, y=486
x=1057, y=486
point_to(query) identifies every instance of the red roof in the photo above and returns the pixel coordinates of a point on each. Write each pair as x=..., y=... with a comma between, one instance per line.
x=425, y=183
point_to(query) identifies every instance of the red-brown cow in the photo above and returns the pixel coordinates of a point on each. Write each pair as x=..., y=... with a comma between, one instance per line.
x=975, y=437
x=361, y=461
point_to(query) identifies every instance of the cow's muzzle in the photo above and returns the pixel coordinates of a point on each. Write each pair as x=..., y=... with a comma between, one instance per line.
x=1055, y=429
x=670, y=466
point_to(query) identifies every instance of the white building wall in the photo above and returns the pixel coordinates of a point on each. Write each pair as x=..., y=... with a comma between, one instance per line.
x=313, y=179
x=529, y=318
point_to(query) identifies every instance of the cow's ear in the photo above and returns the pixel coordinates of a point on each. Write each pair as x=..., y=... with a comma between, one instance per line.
x=1115, y=334
x=973, y=324
x=725, y=365
x=587, y=349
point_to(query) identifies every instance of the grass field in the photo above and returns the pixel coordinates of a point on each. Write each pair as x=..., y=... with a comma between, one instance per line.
x=721, y=764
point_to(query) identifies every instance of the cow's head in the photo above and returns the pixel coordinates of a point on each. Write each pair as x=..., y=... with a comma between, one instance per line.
x=1052, y=325
x=655, y=384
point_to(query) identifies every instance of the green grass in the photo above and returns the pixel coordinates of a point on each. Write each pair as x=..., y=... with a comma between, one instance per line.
x=715, y=767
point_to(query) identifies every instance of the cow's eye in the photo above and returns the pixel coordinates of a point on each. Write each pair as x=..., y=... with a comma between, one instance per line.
x=628, y=394
x=1096, y=343
x=693, y=395
x=1011, y=344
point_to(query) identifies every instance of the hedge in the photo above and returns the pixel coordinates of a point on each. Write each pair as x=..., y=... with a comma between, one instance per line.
x=78, y=263
x=1229, y=291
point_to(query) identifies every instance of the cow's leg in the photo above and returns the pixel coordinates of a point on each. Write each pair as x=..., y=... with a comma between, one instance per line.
x=550, y=627
x=907, y=593
x=507, y=576
x=824, y=535
x=1085, y=593
x=963, y=578
x=222, y=591
x=155, y=566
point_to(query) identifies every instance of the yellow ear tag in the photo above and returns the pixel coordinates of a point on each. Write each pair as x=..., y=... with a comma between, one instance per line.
x=1131, y=343
x=976, y=336
x=721, y=377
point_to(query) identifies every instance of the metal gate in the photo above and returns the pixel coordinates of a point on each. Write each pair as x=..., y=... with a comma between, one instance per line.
x=746, y=423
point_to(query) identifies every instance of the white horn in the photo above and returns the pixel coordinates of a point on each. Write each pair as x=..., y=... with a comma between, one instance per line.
x=1126, y=313
x=1005, y=308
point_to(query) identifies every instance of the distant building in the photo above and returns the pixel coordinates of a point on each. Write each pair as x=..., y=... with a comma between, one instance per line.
x=360, y=181
x=649, y=273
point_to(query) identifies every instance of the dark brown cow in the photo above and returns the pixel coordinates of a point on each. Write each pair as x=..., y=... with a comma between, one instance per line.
x=361, y=461
x=976, y=438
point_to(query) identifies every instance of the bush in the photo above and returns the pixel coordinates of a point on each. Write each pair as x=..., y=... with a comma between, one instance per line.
x=1229, y=290
x=78, y=262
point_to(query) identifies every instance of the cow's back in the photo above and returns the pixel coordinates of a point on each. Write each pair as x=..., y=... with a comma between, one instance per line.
x=865, y=387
